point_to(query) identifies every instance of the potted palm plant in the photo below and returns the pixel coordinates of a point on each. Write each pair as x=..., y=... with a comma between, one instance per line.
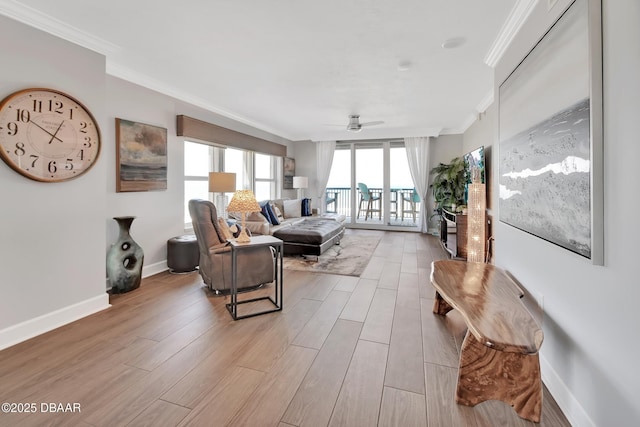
x=448, y=186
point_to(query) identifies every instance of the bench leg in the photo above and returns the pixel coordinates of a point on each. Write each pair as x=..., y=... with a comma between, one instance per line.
x=440, y=306
x=488, y=374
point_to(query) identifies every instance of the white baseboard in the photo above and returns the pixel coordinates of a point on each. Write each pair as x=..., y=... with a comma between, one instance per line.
x=158, y=267
x=567, y=402
x=47, y=322
x=147, y=271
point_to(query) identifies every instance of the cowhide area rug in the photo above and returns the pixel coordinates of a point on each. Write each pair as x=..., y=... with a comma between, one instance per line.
x=349, y=258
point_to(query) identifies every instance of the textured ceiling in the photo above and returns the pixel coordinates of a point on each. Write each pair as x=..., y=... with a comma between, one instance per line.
x=296, y=68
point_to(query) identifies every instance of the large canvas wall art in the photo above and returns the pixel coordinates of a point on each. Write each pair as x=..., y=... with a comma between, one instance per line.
x=141, y=157
x=550, y=138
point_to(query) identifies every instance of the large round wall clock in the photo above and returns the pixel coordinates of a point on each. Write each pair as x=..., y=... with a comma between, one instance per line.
x=47, y=135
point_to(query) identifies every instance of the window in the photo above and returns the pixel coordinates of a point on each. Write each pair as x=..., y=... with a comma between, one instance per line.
x=384, y=168
x=235, y=161
x=198, y=161
x=258, y=172
x=266, y=173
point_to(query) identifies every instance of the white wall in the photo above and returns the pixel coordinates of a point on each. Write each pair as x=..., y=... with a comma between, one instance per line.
x=305, y=155
x=482, y=133
x=159, y=214
x=589, y=354
x=52, y=239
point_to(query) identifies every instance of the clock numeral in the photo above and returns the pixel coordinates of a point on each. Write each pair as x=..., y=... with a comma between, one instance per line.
x=52, y=166
x=23, y=115
x=70, y=113
x=81, y=154
x=35, y=159
x=12, y=128
x=87, y=142
x=83, y=127
x=56, y=106
x=19, y=151
x=68, y=165
x=37, y=106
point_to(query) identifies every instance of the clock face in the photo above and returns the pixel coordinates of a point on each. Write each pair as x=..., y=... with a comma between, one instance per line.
x=47, y=135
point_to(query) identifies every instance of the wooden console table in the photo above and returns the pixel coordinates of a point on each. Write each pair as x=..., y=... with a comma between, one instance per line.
x=499, y=355
x=456, y=246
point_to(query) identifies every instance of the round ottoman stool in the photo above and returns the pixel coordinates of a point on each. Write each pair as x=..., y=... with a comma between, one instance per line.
x=183, y=254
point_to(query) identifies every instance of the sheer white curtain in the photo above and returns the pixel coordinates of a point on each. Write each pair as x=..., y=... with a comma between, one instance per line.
x=418, y=157
x=324, y=159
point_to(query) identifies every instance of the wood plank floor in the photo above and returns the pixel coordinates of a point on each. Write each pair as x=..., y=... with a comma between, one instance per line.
x=345, y=351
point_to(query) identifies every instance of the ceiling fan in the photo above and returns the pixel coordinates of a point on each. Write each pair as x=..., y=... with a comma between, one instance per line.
x=355, y=125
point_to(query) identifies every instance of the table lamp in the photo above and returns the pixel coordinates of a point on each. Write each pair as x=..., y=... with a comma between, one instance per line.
x=243, y=201
x=221, y=182
x=300, y=182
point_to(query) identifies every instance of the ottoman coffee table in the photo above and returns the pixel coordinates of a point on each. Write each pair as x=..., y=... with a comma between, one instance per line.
x=310, y=237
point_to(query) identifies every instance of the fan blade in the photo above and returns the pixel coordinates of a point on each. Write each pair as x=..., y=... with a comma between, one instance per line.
x=379, y=122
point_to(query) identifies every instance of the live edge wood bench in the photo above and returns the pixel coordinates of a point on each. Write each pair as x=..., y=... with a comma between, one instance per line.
x=499, y=355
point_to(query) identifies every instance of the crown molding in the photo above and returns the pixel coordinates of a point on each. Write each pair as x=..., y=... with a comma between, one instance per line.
x=34, y=18
x=473, y=117
x=118, y=70
x=512, y=25
x=466, y=124
x=485, y=102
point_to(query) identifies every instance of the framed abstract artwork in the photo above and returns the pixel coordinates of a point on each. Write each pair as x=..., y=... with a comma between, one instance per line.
x=289, y=170
x=550, y=148
x=141, y=157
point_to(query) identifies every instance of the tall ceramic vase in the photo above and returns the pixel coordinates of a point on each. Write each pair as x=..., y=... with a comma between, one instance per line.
x=124, y=259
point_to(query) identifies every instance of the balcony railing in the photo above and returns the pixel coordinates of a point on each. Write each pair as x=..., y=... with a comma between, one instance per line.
x=339, y=201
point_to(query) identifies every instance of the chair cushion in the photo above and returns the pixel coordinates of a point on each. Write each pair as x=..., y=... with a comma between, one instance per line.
x=204, y=218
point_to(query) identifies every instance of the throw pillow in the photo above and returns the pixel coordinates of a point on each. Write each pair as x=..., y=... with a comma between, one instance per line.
x=264, y=205
x=293, y=208
x=235, y=215
x=268, y=213
x=255, y=216
x=224, y=227
x=235, y=229
x=278, y=213
x=274, y=216
x=306, y=207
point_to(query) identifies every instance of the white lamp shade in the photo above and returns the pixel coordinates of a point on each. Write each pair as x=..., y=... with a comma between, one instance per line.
x=300, y=182
x=222, y=182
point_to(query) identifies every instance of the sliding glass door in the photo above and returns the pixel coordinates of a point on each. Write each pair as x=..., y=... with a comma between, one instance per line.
x=405, y=202
x=371, y=185
x=369, y=165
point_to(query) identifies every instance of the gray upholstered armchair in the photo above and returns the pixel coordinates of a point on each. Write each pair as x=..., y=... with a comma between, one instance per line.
x=255, y=265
